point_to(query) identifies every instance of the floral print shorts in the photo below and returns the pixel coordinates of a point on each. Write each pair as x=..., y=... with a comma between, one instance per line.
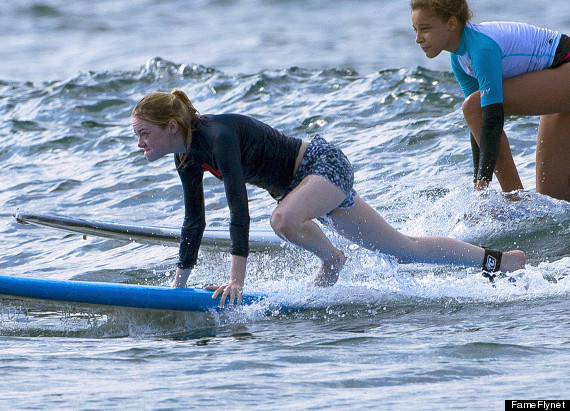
x=326, y=160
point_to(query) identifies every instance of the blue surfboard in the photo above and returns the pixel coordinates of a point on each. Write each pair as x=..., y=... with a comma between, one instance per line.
x=122, y=295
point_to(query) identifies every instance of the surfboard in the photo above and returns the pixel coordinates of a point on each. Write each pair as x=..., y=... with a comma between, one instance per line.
x=121, y=295
x=168, y=236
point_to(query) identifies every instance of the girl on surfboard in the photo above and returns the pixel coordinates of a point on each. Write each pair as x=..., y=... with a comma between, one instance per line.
x=309, y=179
x=504, y=68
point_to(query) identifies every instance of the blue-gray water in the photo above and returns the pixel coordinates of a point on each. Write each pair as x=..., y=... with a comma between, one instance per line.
x=386, y=336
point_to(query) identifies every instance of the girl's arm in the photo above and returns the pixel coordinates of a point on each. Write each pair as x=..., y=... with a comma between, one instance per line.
x=228, y=156
x=194, y=221
x=493, y=120
x=181, y=278
x=494, y=152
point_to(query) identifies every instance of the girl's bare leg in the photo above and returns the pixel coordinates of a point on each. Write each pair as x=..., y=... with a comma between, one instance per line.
x=316, y=196
x=364, y=226
x=292, y=220
x=553, y=156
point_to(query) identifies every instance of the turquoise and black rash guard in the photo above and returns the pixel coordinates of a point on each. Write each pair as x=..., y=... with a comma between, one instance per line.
x=236, y=149
x=487, y=54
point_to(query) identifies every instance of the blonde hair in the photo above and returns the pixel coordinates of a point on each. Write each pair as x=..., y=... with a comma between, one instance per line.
x=160, y=107
x=445, y=9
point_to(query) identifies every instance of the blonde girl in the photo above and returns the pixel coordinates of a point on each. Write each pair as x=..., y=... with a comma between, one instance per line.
x=504, y=68
x=309, y=179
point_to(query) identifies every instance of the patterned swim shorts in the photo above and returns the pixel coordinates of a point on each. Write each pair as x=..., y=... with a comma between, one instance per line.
x=326, y=160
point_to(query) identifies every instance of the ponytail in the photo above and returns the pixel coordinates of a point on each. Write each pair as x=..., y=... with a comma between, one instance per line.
x=189, y=124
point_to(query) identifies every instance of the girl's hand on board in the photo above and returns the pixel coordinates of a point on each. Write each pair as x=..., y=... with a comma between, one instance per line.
x=233, y=290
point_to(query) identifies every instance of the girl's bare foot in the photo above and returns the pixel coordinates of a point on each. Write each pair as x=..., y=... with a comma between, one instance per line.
x=513, y=260
x=328, y=273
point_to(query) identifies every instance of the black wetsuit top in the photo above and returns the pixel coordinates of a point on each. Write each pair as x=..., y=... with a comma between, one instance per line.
x=236, y=149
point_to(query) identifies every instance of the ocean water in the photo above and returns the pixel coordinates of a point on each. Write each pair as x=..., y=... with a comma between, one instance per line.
x=387, y=336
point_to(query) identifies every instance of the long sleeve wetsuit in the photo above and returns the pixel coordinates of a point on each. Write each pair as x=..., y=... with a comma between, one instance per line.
x=236, y=149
